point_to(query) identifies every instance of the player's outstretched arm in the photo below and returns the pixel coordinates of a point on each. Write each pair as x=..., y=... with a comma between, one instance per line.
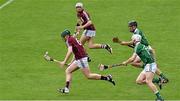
x=72, y=60
x=68, y=54
x=127, y=43
x=117, y=40
x=131, y=59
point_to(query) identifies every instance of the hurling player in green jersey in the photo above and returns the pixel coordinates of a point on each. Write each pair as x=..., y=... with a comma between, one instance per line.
x=133, y=28
x=146, y=76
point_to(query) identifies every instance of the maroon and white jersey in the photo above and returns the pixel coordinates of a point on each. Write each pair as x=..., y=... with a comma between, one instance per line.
x=77, y=48
x=85, y=17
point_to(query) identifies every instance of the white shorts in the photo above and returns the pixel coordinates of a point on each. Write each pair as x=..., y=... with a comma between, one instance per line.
x=150, y=67
x=89, y=33
x=82, y=63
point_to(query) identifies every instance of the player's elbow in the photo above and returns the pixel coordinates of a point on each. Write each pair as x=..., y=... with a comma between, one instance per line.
x=131, y=60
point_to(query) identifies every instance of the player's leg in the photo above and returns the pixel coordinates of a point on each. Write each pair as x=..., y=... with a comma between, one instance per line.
x=150, y=69
x=93, y=45
x=90, y=34
x=158, y=71
x=141, y=79
x=83, y=64
x=73, y=67
x=162, y=76
x=87, y=73
x=83, y=40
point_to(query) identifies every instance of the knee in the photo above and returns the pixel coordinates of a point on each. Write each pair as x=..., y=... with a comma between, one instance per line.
x=90, y=46
x=148, y=81
x=67, y=71
x=139, y=82
x=88, y=76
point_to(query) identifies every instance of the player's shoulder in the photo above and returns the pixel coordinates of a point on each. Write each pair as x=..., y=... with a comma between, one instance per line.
x=85, y=13
x=138, y=31
x=70, y=39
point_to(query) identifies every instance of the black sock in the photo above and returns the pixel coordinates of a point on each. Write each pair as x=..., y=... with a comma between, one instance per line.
x=67, y=84
x=104, y=78
x=163, y=76
x=103, y=46
x=105, y=67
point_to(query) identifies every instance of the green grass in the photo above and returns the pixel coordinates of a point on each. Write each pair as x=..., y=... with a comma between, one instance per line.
x=30, y=27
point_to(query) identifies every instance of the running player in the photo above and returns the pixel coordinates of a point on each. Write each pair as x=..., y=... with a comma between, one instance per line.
x=137, y=61
x=146, y=76
x=80, y=62
x=84, y=23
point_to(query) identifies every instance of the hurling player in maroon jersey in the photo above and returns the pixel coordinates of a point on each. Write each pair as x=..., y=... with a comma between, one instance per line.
x=84, y=23
x=80, y=62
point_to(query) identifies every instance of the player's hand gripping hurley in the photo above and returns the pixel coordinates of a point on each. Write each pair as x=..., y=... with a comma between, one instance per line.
x=49, y=58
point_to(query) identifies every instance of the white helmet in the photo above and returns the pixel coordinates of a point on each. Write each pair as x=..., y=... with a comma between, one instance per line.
x=136, y=38
x=79, y=4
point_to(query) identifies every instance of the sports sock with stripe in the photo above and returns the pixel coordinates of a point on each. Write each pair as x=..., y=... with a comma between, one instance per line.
x=104, y=78
x=103, y=46
x=67, y=84
x=158, y=95
x=163, y=76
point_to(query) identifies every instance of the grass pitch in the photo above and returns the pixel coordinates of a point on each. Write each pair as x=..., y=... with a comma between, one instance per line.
x=30, y=27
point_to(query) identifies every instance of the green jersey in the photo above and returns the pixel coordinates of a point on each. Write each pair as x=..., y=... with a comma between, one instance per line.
x=143, y=52
x=143, y=40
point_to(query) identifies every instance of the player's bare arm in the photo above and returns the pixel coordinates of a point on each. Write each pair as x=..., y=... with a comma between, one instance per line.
x=72, y=60
x=128, y=43
x=131, y=59
x=68, y=54
x=84, y=26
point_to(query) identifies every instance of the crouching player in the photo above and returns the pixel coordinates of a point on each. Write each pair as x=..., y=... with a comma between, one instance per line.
x=146, y=76
x=80, y=62
x=133, y=28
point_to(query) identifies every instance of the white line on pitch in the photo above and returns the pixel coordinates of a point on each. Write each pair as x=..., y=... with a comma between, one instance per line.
x=5, y=4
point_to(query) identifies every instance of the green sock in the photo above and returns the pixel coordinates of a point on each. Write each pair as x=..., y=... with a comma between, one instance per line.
x=158, y=95
x=163, y=76
x=155, y=80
